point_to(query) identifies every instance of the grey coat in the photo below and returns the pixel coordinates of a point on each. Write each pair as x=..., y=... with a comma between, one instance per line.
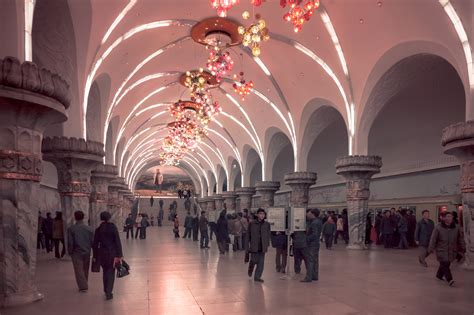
x=423, y=232
x=80, y=238
x=259, y=232
x=313, y=232
x=447, y=242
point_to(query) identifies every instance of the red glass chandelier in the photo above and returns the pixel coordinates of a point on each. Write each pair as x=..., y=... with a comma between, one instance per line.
x=299, y=13
x=222, y=6
x=242, y=87
x=219, y=63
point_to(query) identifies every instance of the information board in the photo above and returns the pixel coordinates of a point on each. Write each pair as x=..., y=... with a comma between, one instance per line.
x=277, y=219
x=212, y=216
x=297, y=219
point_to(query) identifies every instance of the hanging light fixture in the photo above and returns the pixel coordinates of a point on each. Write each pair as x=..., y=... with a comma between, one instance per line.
x=299, y=13
x=219, y=63
x=242, y=87
x=222, y=6
x=254, y=34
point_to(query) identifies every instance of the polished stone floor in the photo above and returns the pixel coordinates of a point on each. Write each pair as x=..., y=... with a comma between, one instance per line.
x=175, y=277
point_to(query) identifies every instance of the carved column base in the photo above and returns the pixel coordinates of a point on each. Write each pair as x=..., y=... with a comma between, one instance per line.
x=458, y=140
x=358, y=170
x=300, y=183
x=245, y=197
x=266, y=190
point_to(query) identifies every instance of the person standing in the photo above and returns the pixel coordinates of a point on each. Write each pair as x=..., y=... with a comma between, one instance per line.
x=386, y=229
x=176, y=226
x=423, y=231
x=107, y=251
x=259, y=240
x=339, y=228
x=313, y=234
x=378, y=223
x=203, y=227
x=40, y=236
x=195, y=228
x=411, y=221
x=129, y=223
x=403, y=230
x=152, y=201
x=58, y=235
x=161, y=214
x=448, y=242
x=329, y=229
x=195, y=207
x=138, y=225
x=188, y=225
x=48, y=232
x=143, y=225
x=80, y=238
x=187, y=204
x=280, y=243
x=345, y=220
x=222, y=232
x=299, y=249
x=245, y=227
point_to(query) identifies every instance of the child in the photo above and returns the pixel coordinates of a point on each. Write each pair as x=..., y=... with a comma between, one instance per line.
x=329, y=228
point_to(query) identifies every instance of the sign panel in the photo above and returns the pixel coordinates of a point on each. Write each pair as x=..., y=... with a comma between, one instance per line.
x=297, y=219
x=277, y=219
x=212, y=216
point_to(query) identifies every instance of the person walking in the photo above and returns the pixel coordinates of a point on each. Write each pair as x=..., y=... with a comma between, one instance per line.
x=448, y=242
x=58, y=235
x=80, y=238
x=386, y=229
x=313, y=234
x=107, y=251
x=280, y=243
x=161, y=214
x=245, y=227
x=195, y=228
x=138, y=225
x=423, y=231
x=187, y=204
x=47, y=228
x=329, y=228
x=203, y=228
x=259, y=240
x=188, y=225
x=411, y=222
x=345, y=220
x=176, y=226
x=299, y=249
x=222, y=232
x=129, y=223
x=152, y=201
x=339, y=228
x=403, y=230
x=143, y=226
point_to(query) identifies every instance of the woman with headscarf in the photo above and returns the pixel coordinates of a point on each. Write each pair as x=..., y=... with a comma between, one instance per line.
x=107, y=251
x=222, y=232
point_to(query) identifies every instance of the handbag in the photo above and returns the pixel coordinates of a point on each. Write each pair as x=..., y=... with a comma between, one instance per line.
x=95, y=266
x=123, y=269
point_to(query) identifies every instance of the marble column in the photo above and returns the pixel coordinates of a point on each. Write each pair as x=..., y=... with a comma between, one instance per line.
x=202, y=203
x=218, y=202
x=101, y=176
x=458, y=140
x=357, y=171
x=74, y=160
x=114, y=199
x=245, y=197
x=300, y=183
x=266, y=190
x=31, y=99
x=210, y=204
x=229, y=200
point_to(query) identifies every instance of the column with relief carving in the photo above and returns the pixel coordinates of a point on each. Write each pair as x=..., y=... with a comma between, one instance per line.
x=358, y=170
x=74, y=160
x=245, y=197
x=115, y=197
x=267, y=190
x=218, y=202
x=300, y=183
x=31, y=99
x=458, y=140
x=229, y=200
x=102, y=175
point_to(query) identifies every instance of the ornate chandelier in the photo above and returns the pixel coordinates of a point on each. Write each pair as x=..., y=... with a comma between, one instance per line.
x=242, y=87
x=219, y=63
x=222, y=6
x=299, y=14
x=195, y=80
x=254, y=34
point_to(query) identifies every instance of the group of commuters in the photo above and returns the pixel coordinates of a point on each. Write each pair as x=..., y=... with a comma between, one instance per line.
x=51, y=234
x=140, y=223
x=396, y=228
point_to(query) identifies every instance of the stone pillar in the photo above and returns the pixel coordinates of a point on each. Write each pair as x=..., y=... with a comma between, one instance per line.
x=358, y=170
x=31, y=99
x=218, y=202
x=74, y=160
x=101, y=176
x=202, y=203
x=458, y=140
x=245, y=195
x=267, y=189
x=124, y=210
x=300, y=183
x=114, y=199
x=229, y=200
x=210, y=204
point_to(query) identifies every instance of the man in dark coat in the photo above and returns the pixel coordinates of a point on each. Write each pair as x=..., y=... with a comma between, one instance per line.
x=387, y=228
x=313, y=234
x=402, y=230
x=299, y=248
x=188, y=225
x=129, y=223
x=259, y=239
x=203, y=228
x=79, y=244
x=345, y=219
x=222, y=232
x=195, y=228
x=411, y=221
x=424, y=229
x=48, y=232
x=448, y=242
x=107, y=250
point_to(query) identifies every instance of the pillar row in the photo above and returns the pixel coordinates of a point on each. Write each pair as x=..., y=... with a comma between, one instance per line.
x=245, y=196
x=31, y=99
x=101, y=176
x=267, y=190
x=357, y=171
x=458, y=140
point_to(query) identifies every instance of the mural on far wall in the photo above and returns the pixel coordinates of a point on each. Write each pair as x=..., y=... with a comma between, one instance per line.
x=163, y=180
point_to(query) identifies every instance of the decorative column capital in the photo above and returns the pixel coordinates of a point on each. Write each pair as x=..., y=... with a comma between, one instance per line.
x=358, y=166
x=229, y=194
x=300, y=183
x=105, y=171
x=266, y=190
x=217, y=197
x=267, y=186
x=244, y=191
